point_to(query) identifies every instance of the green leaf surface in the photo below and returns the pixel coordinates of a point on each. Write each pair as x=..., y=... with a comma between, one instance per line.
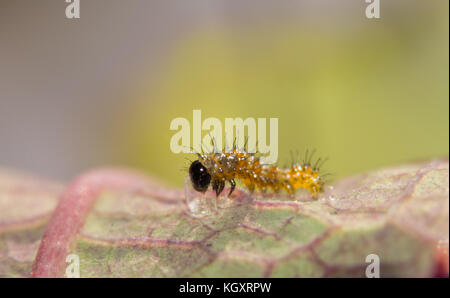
x=122, y=224
x=26, y=204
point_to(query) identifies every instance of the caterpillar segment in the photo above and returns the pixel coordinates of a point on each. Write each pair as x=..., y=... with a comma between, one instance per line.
x=217, y=169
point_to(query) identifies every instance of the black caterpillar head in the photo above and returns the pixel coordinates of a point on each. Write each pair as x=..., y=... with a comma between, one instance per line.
x=199, y=175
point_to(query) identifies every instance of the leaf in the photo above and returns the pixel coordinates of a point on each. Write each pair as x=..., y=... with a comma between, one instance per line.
x=26, y=204
x=123, y=224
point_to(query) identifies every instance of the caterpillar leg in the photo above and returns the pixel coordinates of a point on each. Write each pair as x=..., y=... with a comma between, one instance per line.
x=291, y=192
x=233, y=186
x=314, y=193
x=218, y=186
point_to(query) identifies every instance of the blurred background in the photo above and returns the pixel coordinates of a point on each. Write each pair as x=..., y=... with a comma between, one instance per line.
x=103, y=89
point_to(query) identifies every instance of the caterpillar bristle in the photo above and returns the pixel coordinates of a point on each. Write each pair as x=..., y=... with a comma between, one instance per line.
x=225, y=166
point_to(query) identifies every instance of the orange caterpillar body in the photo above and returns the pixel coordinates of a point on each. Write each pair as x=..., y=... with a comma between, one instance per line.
x=218, y=168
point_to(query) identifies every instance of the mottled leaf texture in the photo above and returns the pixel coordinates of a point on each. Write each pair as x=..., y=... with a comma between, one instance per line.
x=123, y=224
x=26, y=204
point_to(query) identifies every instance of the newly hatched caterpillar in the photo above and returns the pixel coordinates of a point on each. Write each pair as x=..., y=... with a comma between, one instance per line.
x=216, y=169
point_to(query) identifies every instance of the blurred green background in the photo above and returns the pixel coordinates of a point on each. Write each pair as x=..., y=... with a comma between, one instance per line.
x=366, y=93
x=102, y=90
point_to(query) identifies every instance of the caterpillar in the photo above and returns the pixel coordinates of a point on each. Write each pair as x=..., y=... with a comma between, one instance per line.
x=217, y=168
